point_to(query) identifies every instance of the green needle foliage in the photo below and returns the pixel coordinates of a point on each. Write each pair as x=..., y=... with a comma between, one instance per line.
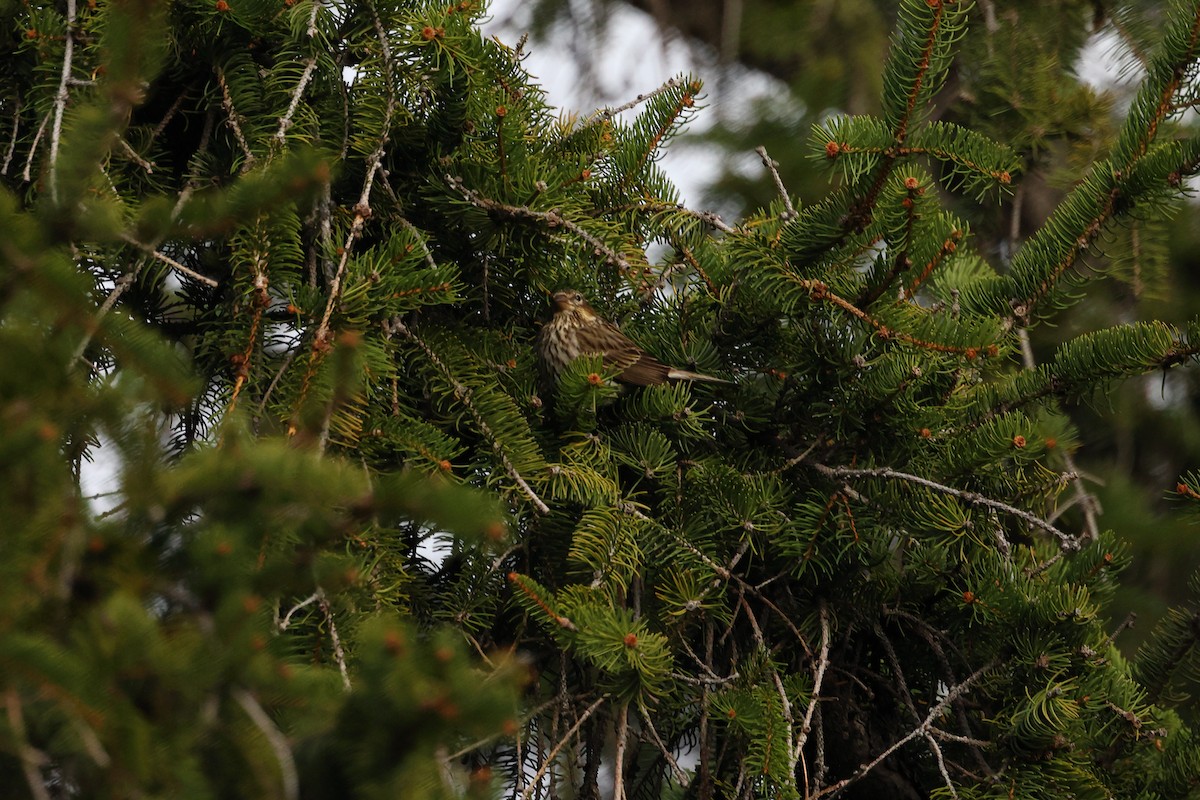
x=280, y=266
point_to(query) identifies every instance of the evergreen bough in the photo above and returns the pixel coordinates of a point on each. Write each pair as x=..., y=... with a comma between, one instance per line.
x=285, y=263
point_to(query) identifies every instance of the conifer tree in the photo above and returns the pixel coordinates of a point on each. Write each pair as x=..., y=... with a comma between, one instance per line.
x=288, y=261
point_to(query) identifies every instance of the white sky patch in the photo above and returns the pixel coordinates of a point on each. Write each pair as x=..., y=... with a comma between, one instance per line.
x=637, y=61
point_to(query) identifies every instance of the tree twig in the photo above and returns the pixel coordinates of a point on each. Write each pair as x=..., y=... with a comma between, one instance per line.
x=232, y=120
x=288, y=777
x=1066, y=542
x=921, y=730
x=818, y=679
x=32, y=759
x=339, y=654
x=553, y=754
x=285, y=121
x=149, y=250
x=773, y=167
x=12, y=142
x=464, y=395
x=122, y=283
x=60, y=99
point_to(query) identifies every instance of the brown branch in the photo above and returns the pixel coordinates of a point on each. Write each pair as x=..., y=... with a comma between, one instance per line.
x=622, y=738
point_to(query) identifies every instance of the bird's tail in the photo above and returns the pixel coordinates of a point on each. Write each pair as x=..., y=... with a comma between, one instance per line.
x=683, y=375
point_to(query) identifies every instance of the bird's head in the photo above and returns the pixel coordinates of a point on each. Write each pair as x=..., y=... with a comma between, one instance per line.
x=572, y=302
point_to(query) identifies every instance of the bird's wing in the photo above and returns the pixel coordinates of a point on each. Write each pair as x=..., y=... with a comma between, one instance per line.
x=638, y=367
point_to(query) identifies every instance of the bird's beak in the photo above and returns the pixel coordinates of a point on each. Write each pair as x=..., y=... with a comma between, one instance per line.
x=562, y=300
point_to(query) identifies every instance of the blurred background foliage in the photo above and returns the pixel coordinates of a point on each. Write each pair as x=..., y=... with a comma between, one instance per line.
x=1051, y=79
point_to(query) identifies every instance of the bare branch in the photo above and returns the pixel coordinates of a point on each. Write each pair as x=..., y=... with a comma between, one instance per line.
x=541, y=773
x=285, y=121
x=339, y=654
x=37, y=138
x=32, y=759
x=818, y=679
x=287, y=618
x=191, y=273
x=60, y=99
x=680, y=775
x=12, y=142
x=773, y=167
x=122, y=283
x=134, y=155
x=622, y=736
x=232, y=119
x=288, y=776
x=605, y=114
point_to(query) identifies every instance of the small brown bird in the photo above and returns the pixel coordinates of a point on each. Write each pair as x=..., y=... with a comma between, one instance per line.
x=576, y=330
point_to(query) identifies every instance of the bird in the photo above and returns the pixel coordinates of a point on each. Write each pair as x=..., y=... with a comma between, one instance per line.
x=576, y=329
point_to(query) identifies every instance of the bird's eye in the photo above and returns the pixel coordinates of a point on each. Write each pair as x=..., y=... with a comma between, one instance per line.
x=578, y=298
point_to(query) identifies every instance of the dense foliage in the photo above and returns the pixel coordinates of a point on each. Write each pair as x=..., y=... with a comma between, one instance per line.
x=283, y=264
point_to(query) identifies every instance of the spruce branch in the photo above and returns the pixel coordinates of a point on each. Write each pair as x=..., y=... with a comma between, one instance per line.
x=288, y=776
x=786, y=704
x=260, y=302
x=167, y=117
x=61, y=98
x=606, y=114
x=923, y=65
x=819, y=291
x=362, y=212
x=949, y=245
x=1154, y=103
x=464, y=395
x=551, y=219
x=1066, y=542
